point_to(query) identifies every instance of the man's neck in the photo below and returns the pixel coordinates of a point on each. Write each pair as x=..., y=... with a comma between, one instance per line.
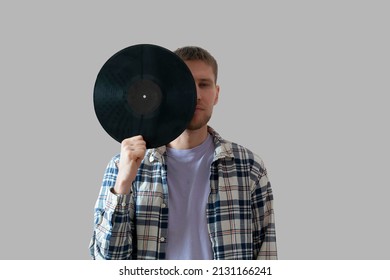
x=189, y=139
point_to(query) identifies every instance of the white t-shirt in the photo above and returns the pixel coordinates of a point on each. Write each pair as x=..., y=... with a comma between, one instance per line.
x=189, y=187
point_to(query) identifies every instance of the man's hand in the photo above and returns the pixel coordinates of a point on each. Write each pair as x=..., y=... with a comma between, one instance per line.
x=132, y=153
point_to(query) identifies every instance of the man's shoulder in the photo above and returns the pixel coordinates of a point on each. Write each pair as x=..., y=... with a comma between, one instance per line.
x=242, y=155
x=232, y=148
x=245, y=159
x=243, y=152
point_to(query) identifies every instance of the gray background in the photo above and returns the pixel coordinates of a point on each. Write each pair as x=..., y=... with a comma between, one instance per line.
x=304, y=84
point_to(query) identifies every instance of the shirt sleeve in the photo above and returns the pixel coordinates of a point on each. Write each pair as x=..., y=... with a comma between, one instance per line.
x=113, y=220
x=264, y=235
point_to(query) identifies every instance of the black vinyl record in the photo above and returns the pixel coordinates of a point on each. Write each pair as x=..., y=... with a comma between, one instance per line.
x=145, y=90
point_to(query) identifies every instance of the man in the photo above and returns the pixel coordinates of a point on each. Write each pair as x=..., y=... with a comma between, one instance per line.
x=199, y=197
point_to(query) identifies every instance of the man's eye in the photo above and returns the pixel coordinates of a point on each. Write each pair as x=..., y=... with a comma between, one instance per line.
x=204, y=85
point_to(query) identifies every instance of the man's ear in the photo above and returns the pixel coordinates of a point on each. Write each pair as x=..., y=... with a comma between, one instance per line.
x=216, y=94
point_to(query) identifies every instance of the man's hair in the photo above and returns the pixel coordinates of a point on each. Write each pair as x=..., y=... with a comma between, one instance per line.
x=197, y=53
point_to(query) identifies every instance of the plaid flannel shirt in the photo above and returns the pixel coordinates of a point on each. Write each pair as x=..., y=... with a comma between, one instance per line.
x=240, y=213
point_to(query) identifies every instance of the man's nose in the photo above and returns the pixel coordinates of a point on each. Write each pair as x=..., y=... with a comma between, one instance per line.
x=198, y=97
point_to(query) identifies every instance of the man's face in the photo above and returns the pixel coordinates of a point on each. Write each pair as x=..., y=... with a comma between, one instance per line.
x=207, y=93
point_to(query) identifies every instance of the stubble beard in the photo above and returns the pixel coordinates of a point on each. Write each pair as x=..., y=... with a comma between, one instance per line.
x=196, y=124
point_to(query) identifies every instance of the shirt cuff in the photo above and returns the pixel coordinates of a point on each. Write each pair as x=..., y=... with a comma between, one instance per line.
x=118, y=202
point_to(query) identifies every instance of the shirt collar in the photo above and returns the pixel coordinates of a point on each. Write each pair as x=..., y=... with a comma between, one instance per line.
x=223, y=148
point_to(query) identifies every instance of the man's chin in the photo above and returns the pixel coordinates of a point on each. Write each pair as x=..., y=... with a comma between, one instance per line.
x=196, y=125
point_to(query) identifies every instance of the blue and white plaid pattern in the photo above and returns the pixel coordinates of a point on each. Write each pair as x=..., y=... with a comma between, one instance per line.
x=240, y=211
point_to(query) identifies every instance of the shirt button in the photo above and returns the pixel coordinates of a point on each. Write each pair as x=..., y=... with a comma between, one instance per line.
x=123, y=204
x=151, y=158
x=163, y=205
x=162, y=239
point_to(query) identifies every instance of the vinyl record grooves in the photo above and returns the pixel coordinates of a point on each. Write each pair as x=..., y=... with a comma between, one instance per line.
x=145, y=90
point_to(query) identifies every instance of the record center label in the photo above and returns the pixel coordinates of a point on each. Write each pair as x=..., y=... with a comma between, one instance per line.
x=144, y=97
